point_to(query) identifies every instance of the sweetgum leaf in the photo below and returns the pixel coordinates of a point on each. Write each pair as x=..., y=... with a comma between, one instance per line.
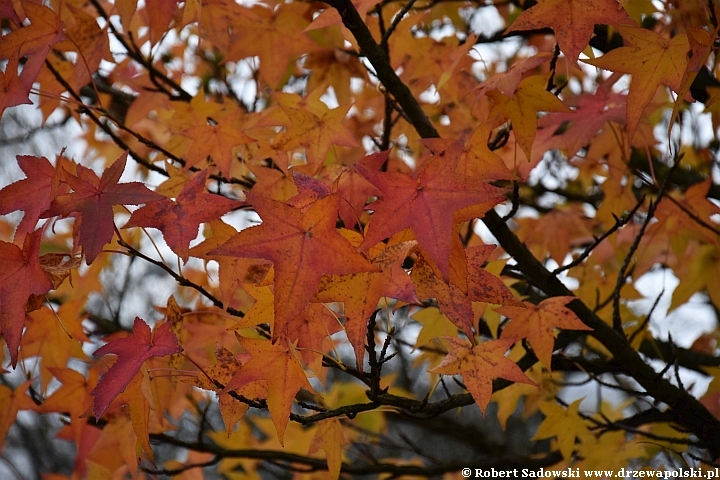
x=92, y=200
x=132, y=352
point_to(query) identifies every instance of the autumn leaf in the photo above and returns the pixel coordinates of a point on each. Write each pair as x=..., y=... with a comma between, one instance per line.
x=54, y=337
x=216, y=376
x=571, y=20
x=44, y=30
x=590, y=114
x=361, y=292
x=537, y=324
x=15, y=89
x=483, y=286
x=275, y=35
x=21, y=276
x=331, y=17
x=565, y=424
x=303, y=246
x=135, y=397
x=329, y=437
x=613, y=446
x=530, y=97
x=58, y=266
x=425, y=202
x=555, y=234
x=217, y=141
x=73, y=397
x=92, y=200
x=373, y=138
x=33, y=194
x=697, y=273
x=479, y=366
x=652, y=60
x=313, y=125
x=276, y=364
x=179, y=220
x=88, y=39
x=11, y=401
x=132, y=351
x=355, y=189
x=453, y=301
x=507, y=82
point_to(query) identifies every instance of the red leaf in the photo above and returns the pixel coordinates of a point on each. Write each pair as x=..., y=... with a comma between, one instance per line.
x=132, y=352
x=179, y=220
x=13, y=90
x=426, y=202
x=20, y=276
x=32, y=195
x=92, y=200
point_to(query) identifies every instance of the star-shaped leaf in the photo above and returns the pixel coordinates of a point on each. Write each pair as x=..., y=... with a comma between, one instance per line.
x=132, y=351
x=479, y=366
x=179, y=220
x=425, y=202
x=45, y=29
x=276, y=364
x=355, y=189
x=361, y=292
x=222, y=371
x=530, y=98
x=303, y=246
x=330, y=438
x=652, y=60
x=564, y=424
x=53, y=337
x=21, y=276
x=571, y=20
x=92, y=200
x=32, y=195
x=14, y=88
x=215, y=140
x=11, y=401
x=277, y=37
x=507, y=82
x=538, y=322
x=313, y=125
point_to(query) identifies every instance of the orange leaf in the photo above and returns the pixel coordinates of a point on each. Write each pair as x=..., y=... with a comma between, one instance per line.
x=537, y=324
x=276, y=364
x=571, y=20
x=303, y=246
x=11, y=401
x=530, y=98
x=479, y=366
x=361, y=292
x=44, y=30
x=217, y=141
x=652, y=60
x=330, y=438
